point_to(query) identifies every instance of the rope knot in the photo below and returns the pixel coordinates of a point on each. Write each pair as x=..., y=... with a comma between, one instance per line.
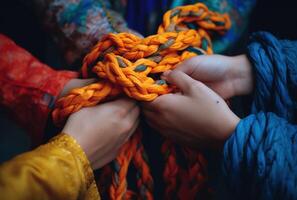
x=126, y=63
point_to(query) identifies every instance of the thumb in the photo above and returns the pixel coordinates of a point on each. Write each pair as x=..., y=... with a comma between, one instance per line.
x=180, y=79
x=190, y=65
x=75, y=83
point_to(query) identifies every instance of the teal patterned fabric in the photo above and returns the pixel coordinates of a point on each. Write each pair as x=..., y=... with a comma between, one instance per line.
x=238, y=11
x=78, y=24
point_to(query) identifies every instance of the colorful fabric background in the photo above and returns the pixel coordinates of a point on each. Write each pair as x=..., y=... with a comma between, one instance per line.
x=78, y=24
x=144, y=16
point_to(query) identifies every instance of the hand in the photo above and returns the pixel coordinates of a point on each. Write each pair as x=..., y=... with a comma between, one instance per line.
x=227, y=76
x=75, y=83
x=197, y=117
x=101, y=130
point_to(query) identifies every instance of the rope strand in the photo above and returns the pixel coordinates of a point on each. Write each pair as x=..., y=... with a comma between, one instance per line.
x=126, y=63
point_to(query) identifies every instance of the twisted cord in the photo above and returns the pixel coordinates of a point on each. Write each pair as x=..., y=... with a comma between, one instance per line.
x=126, y=63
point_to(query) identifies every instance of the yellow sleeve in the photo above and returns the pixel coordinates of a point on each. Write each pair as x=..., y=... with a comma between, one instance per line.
x=56, y=170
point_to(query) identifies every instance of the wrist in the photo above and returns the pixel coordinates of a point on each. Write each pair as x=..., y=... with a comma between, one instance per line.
x=242, y=73
x=79, y=139
x=228, y=130
x=69, y=143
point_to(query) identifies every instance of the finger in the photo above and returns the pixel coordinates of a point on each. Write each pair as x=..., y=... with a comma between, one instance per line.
x=75, y=83
x=130, y=133
x=180, y=79
x=124, y=101
x=160, y=102
x=202, y=89
x=153, y=120
x=88, y=81
x=133, y=114
x=202, y=68
x=132, y=120
x=191, y=65
x=123, y=105
x=188, y=66
x=112, y=152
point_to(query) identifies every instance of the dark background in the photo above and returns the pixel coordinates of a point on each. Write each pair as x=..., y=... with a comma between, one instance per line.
x=20, y=24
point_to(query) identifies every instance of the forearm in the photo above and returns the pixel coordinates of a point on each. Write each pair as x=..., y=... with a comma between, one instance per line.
x=29, y=88
x=57, y=170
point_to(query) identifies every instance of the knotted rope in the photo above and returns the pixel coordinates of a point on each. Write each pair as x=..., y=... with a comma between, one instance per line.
x=126, y=63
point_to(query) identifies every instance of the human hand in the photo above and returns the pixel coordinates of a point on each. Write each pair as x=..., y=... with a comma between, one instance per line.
x=75, y=83
x=101, y=130
x=197, y=116
x=227, y=76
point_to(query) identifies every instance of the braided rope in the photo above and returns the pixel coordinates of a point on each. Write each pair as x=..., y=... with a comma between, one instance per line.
x=171, y=170
x=193, y=179
x=121, y=163
x=143, y=176
x=126, y=63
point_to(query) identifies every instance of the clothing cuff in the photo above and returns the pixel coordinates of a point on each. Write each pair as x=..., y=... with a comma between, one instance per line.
x=54, y=86
x=272, y=75
x=68, y=143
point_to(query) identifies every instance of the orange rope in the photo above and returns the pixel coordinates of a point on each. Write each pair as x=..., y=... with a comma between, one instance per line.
x=126, y=63
x=171, y=170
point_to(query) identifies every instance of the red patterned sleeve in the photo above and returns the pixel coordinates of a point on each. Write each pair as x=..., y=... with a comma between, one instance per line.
x=28, y=88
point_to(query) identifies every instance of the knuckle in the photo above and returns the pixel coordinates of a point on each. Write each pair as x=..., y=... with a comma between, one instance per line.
x=195, y=86
x=115, y=124
x=164, y=103
x=125, y=126
x=162, y=106
x=174, y=73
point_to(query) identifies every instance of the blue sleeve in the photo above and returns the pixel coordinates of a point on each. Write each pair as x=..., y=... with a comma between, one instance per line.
x=275, y=67
x=260, y=159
